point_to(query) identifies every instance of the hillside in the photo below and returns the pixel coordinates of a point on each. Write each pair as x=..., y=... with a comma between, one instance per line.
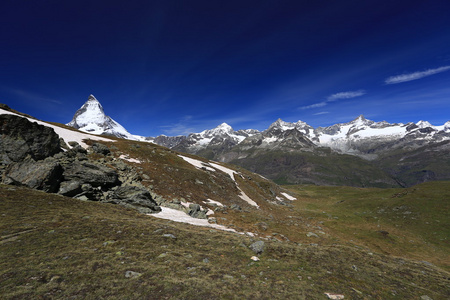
x=54, y=247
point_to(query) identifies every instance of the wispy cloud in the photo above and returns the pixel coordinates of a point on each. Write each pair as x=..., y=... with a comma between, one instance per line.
x=315, y=105
x=415, y=75
x=345, y=95
x=321, y=113
x=335, y=97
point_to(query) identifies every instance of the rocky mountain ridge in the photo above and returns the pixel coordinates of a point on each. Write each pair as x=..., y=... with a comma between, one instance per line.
x=360, y=137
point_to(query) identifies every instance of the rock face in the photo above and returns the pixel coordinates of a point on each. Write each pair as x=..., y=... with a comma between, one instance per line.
x=41, y=175
x=21, y=138
x=91, y=173
x=135, y=197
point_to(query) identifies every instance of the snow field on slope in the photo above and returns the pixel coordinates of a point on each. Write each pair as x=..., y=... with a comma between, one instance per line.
x=287, y=196
x=182, y=217
x=66, y=134
x=231, y=173
x=179, y=216
x=199, y=164
x=209, y=201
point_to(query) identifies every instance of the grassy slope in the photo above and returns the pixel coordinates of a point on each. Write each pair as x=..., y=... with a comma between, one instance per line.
x=416, y=219
x=58, y=247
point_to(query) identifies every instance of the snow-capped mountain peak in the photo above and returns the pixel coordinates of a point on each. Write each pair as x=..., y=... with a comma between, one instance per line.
x=423, y=124
x=91, y=118
x=280, y=124
x=90, y=112
x=223, y=128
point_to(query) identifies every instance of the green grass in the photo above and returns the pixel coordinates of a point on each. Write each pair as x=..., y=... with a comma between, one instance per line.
x=54, y=247
x=415, y=221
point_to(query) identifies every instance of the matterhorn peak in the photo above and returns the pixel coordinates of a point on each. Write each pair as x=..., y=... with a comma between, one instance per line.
x=91, y=118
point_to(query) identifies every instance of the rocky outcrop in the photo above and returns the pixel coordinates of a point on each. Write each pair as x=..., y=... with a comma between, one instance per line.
x=134, y=197
x=21, y=138
x=94, y=174
x=31, y=156
x=41, y=175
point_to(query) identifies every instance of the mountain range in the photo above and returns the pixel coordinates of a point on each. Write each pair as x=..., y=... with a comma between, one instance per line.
x=361, y=152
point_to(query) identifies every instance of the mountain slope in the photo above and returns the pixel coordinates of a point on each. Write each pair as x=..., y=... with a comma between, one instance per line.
x=60, y=248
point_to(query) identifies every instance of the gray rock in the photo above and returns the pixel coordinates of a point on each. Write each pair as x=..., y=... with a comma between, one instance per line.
x=134, y=197
x=257, y=247
x=94, y=174
x=100, y=149
x=196, y=212
x=235, y=207
x=169, y=235
x=41, y=175
x=311, y=234
x=21, y=138
x=132, y=274
x=70, y=188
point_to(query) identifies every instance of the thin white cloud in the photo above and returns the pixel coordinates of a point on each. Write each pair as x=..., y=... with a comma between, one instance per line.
x=345, y=95
x=335, y=97
x=321, y=113
x=415, y=75
x=320, y=104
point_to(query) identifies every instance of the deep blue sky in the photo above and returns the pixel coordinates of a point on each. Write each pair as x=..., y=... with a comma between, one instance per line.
x=175, y=67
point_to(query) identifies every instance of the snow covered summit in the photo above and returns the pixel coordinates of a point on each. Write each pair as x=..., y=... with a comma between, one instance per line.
x=91, y=118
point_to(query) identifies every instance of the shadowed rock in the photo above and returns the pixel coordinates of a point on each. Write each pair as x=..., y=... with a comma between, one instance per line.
x=41, y=175
x=21, y=138
x=94, y=174
x=135, y=197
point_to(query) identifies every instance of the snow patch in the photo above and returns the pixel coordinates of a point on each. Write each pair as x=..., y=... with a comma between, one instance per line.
x=289, y=197
x=127, y=158
x=231, y=173
x=197, y=163
x=179, y=216
x=209, y=201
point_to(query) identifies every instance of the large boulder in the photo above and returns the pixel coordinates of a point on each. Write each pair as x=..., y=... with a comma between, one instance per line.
x=94, y=174
x=257, y=247
x=134, y=197
x=43, y=175
x=100, y=149
x=20, y=138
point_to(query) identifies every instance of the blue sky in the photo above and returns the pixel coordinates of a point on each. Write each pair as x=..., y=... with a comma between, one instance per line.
x=174, y=67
